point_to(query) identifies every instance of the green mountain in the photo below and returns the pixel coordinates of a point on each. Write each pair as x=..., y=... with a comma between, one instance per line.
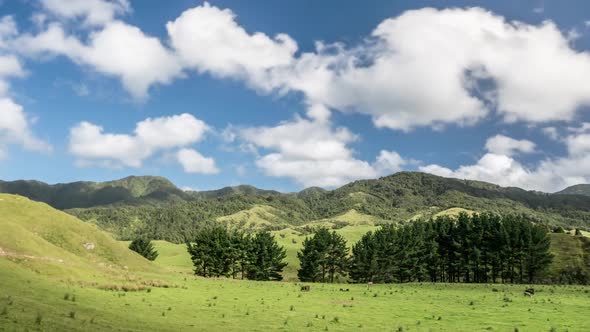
x=237, y=190
x=155, y=207
x=579, y=189
x=131, y=190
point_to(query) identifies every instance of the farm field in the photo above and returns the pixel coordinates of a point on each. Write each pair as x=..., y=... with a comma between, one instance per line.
x=50, y=282
x=195, y=304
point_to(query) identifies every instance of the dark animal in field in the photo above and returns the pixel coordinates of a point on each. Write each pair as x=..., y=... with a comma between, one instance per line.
x=344, y=289
x=529, y=292
x=305, y=288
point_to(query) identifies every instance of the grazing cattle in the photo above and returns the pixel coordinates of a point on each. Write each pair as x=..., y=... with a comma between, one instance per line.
x=305, y=288
x=369, y=284
x=529, y=292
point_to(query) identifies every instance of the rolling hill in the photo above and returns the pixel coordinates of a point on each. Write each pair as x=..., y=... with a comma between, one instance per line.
x=58, y=273
x=130, y=190
x=579, y=189
x=153, y=206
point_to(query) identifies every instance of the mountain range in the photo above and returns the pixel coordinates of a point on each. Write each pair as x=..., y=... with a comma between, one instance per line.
x=154, y=206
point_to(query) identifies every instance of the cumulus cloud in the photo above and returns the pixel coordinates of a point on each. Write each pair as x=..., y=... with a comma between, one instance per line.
x=549, y=175
x=508, y=146
x=551, y=132
x=118, y=49
x=209, y=39
x=91, y=145
x=15, y=124
x=193, y=162
x=91, y=12
x=468, y=62
x=313, y=153
x=15, y=128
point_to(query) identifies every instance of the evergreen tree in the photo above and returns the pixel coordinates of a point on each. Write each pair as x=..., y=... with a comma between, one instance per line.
x=267, y=258
x=476, y=248
x=323, y=257
x=217, y=252
x=211, y=252
x=144, y=247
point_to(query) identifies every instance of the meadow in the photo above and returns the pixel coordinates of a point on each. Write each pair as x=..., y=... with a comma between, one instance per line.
x=50, y=282
x=30, y=301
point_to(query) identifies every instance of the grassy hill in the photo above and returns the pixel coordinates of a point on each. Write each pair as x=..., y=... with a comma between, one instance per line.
x=49, y=281
x=399, y=197
x=579, y=189
x=154, y=207
x=53, y=243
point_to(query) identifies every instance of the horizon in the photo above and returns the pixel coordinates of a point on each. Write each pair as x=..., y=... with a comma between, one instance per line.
x=293, y=95
x=284, y=192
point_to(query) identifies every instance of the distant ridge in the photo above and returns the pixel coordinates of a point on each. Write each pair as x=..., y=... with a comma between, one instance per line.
x=579, y=189
x=134, y=203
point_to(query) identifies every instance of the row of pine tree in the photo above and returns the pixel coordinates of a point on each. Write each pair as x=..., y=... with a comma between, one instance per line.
x=481, y=248
x=218, y=252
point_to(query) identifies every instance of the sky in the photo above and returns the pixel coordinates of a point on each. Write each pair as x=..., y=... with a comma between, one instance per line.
x=291, y=94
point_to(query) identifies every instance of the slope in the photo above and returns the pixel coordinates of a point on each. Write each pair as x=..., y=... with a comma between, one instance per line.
x=53, y=243
x=579, y=189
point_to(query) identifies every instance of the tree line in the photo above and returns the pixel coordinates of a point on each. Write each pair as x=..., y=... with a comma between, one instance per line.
x=481, y=248
x=218, y=252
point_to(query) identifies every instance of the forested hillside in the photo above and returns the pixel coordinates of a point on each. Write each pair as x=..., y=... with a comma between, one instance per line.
x=579, y=189
x=399, y=197
x=133, y=190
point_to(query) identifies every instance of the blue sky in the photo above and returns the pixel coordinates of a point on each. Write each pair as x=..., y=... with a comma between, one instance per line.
x=291, y=94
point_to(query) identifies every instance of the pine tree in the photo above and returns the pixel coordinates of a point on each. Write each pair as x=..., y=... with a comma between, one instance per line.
x=267, y=258
x=144, y=247
x=323, y=257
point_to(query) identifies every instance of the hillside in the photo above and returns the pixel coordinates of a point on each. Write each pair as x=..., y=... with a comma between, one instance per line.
x=399, y=197
x=130, y=190
x=41, y=238
x=153, y=206
x=51, y=281
x=579, y=189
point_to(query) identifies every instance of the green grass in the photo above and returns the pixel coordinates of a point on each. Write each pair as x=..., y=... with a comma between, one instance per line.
x=38, y=292
x=213, y=305
x=570, y=251
x=256, y=217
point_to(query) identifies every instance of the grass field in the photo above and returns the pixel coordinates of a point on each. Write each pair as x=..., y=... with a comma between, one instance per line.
x=50, y=282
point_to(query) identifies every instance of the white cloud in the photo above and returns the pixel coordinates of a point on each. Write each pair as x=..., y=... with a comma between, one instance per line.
x=15, y=128
x=508, y=146
x=119, y=50
x=92, y=12
x=8, y=30
x=209, y=39
x=92, y=146
x=531, y=72
x=549, y=175
x=402, y=84
x=551, y=132
x=313, y=153
x=537, y=76
x=193, y=162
